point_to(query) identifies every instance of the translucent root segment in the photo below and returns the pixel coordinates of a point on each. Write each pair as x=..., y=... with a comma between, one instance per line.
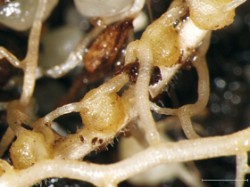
x=234, y=4
x=131, y=13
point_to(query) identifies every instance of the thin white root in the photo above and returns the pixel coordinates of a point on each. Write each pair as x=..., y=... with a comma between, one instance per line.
x=29, y=64
x=203, y=89
x=203, y=86
x=4, y=53
x=75, y=58
x=187, y=125
x=49, y=118
x=113, y=85
x=165, y=111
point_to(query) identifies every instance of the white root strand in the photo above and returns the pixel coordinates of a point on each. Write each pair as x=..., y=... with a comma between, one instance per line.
x=184, y=113
x=4, y=53
x=187, y=125
x=181, y=151
x=142, y=96
x=29, y=64
x=75, y=58
x=203, y=86
x=241, y=168
x=65, y=109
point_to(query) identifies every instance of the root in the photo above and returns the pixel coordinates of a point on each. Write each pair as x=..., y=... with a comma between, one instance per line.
x=142, y=96
x=115, y=173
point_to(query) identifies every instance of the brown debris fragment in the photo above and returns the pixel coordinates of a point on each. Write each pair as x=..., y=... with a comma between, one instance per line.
x=94, y=140
x=81, y=138
x=156, y=75
x=131, y=69
x=106, y=48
